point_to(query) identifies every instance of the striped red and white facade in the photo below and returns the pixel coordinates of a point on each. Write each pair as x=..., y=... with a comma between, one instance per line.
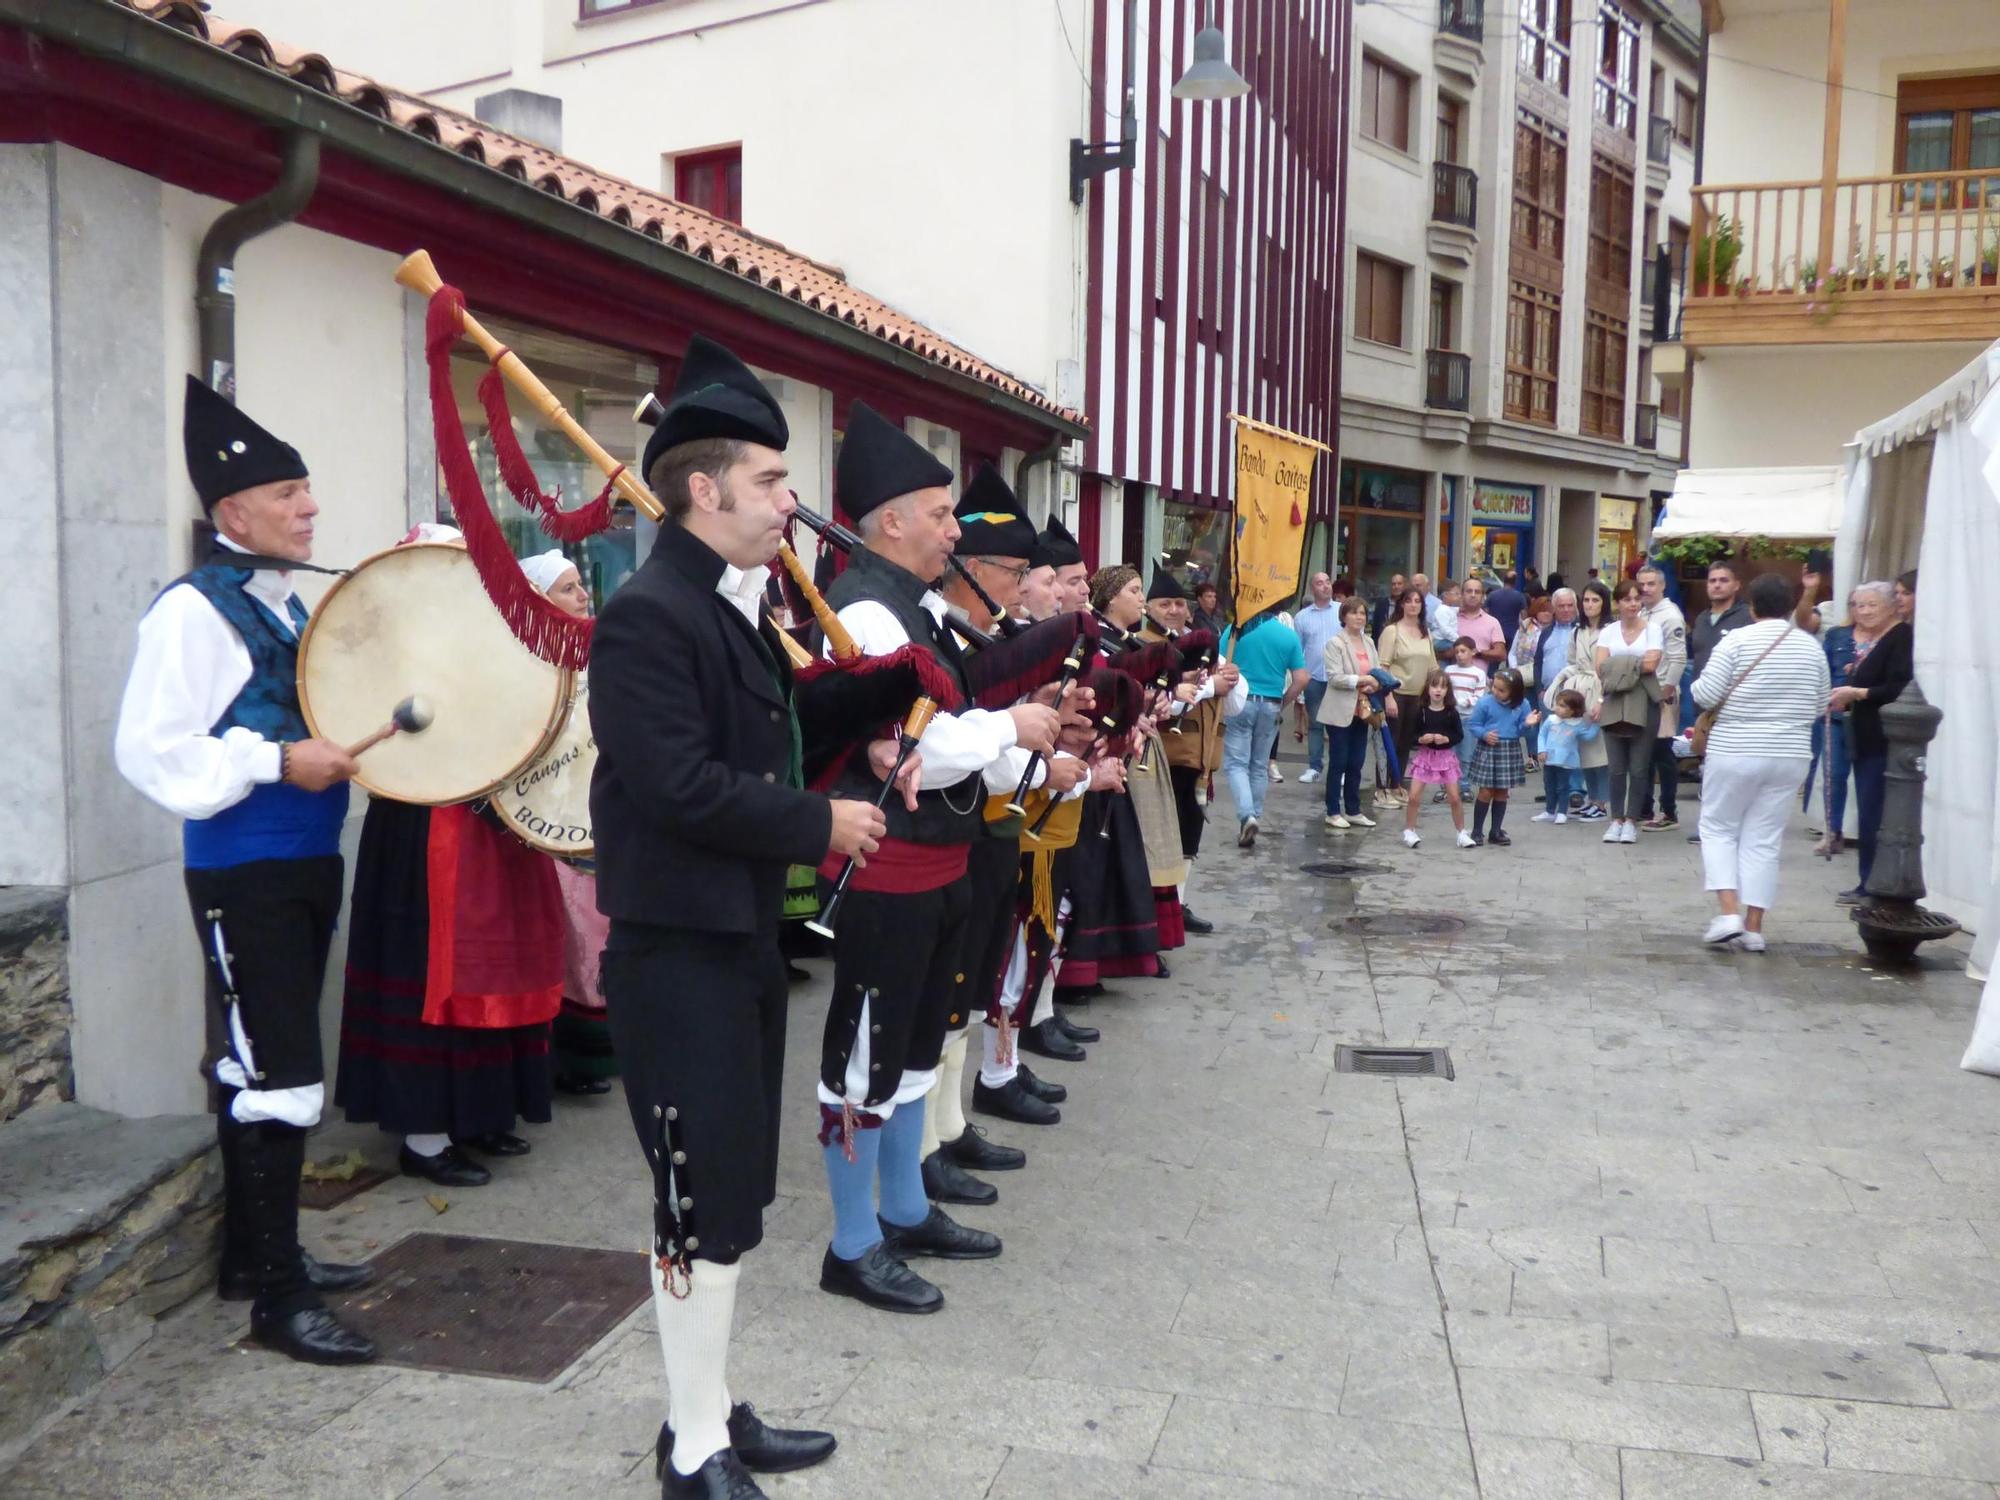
x=1214, y=265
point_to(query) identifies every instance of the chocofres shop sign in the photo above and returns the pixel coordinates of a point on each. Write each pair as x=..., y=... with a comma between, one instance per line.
x=1503, y=502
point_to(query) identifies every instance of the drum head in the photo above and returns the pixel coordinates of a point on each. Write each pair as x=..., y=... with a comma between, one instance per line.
x=416, y=619
x=547, y=803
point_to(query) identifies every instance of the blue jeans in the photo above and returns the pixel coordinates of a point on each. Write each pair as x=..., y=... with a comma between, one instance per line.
x=1246, y=755
x=1343, y=776
x=1837, y=768
x=1464, y=749
x=1870, y=784
x=1597, y=784
x=1557, y=783
x=1318, y=735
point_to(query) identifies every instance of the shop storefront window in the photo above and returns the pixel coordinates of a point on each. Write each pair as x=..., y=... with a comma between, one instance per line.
x=1196, y=541
x=1617, y=535
x=599, y=386
x=1501, y=536
x=1381, y=526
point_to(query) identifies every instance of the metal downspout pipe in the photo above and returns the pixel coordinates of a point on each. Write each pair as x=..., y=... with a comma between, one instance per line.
x=215, y=267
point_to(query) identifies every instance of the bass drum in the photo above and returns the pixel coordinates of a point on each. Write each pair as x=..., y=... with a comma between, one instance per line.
x=547, y=803
x=416, y=620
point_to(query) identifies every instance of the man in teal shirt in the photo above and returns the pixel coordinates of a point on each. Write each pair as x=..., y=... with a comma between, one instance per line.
x=1273, y=663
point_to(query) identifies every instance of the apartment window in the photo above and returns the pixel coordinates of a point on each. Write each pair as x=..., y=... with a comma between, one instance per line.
x=1684, y=111
x=1677, y=253
x=1378, y=299
x=1444, y=314
x=1616, y=92
x=1604, y=341
x=1670, y=399
x=1544, y=42
x=712, y=181
x=1534, y=341
x=1658, y=97
x=1450, y=123
x=1611, y=223
x=1385, y=102
x=1948, y=125
x=1541, y=164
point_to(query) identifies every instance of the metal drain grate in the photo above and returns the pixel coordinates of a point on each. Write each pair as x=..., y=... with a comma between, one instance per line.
x=1395, y=1062
x=1406, y=924
x=1343, y=869
x=324, y=1192
x=506, y=1308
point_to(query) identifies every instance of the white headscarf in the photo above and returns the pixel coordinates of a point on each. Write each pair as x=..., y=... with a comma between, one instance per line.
x=431, y=531
x=545, y=569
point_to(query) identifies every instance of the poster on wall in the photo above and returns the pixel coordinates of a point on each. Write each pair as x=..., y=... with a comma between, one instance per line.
x=1274, y=471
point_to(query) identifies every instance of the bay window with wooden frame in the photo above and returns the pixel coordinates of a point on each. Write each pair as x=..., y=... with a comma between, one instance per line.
x=1610, y=258
x=1949, y=125
x=1604, y=344
x=1534, y=345
x=1615, y=94
x=1544, y=42
x=1541, y=167
x=1377, y=305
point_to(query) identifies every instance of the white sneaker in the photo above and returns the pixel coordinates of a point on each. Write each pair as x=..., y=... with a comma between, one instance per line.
x=1560, y=818
x=1628, y=832
x=1361, y=820
x=1465, y=840
x=1411, y=838
x=1276, y=774
x=1545, y=817
x=1306, y=777
x=1752, y=942
x=1724, y=928
x=1612, y=833
x=1246, y=833
x=1337, y=821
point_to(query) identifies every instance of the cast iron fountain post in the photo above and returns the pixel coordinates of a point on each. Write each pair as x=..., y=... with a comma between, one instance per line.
x=1891, y=922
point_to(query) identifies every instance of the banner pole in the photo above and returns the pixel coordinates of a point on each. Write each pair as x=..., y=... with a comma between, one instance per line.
x=1235, y=465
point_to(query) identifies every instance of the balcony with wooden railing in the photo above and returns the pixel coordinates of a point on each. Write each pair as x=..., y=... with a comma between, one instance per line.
x=1907, y=257
x=1454, y=194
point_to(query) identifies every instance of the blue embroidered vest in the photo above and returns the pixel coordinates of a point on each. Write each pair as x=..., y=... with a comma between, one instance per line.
x=275, y=821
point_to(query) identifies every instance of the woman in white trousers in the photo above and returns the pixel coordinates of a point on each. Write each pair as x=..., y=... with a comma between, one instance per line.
x=1768, y=682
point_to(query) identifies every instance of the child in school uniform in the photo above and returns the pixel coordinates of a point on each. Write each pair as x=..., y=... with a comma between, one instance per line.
x=1498, y=763
x=1562, y=762
x=1468, y=685
x=1434, y=757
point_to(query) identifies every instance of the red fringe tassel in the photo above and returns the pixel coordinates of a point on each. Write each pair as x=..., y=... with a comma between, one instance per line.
x=557, y=523
x=538, y=623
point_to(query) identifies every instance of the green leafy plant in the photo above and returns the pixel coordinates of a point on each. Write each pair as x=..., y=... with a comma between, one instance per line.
x=1767, y=547
x=1694, y=551
x=1716, y=254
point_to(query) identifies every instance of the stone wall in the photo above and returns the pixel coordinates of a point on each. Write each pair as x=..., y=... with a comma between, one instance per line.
x=34, y=999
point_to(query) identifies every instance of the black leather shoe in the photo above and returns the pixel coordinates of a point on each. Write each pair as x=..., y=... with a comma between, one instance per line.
x=1048, y=1039
x=1079, y=994
x=1163, y=972
x=1200, y=926
x=449, y=1168
x=1012, y=1101
x=945, y=1181
x=1075, y=1032
x=763, y=1449
x=722, y=1477
x=976, y=1153
x=239, y=1284
x=496, y=1143
x=797, y=974
x=880, y=1280
x=574, y=1083
x=313, y=1335
x=1048, y=1093
x=940, y=1235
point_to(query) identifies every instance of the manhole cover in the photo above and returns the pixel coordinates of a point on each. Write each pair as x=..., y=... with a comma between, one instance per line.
x=1343, y=869
x=1395, y=1062
x=327, y=1192
x=507, y=1308
x=1406, y=923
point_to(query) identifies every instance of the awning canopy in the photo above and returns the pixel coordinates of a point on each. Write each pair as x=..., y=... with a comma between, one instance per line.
x=1795, y=504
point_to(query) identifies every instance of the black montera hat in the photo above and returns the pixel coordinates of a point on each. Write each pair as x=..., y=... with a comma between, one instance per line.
x=1164, y=585
x=716, y=397
x=228, y=453
x=990, y=523
x=1056, y=548
x=880, y=462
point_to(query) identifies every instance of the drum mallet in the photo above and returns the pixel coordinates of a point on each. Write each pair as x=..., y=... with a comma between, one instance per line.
x=412, y=716
x=906, y=744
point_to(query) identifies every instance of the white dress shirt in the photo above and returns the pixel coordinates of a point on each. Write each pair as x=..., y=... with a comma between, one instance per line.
x=190, y=666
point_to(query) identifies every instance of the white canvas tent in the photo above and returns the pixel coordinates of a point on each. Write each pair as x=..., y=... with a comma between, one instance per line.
x=1923, y=491
x=1795, y=504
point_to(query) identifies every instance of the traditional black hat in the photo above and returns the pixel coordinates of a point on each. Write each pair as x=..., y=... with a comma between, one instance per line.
x=1164, y=585
x=1056, y=548
x=227, y=452
x=716, y=397
x=990, y=523
x=880, y=462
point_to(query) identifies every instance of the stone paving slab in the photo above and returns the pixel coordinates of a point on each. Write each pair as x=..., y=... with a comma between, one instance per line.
x=1687, y=1226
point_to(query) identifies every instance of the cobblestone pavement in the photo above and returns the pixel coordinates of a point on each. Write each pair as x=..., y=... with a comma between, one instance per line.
x=1687, y=1226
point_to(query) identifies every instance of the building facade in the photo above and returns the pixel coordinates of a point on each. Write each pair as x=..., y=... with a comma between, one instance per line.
x=928, y=148
x=1517, y=174
x=1846, y=252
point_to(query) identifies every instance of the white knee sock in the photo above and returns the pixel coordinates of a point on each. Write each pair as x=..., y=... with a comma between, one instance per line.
x=427, y=1145
x=950, y=1100
x=992, y=1072
x=694, y=1343
x=930, y=1108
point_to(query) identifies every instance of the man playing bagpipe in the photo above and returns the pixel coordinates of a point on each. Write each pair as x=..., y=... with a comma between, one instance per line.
x=699, y=806
x=996, y=546
x=900, y=946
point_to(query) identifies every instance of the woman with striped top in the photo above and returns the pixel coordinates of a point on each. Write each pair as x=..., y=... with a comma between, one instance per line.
x=1769, y=683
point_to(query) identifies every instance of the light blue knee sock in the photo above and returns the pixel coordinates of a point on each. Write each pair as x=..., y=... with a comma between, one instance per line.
x=852, y=1184
x=902, y=1166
